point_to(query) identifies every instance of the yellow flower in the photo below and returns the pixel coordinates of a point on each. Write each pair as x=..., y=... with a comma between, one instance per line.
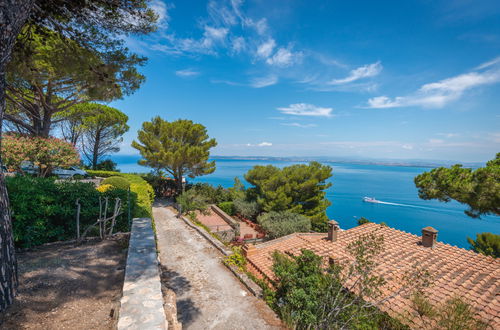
x=104, y=187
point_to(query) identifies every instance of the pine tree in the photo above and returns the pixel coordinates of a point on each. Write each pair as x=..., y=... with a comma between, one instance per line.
x=180, y=147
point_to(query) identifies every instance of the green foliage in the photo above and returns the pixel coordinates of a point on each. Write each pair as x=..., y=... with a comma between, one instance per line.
x=236, y=259
x=45, y=154
x=181, y=148
x=213, y=195
x=362, y=221
x=479, y=189
x=44, y=211
x=53, y=72
x=453, y=314
x=138, y=186
x=117, y=182
x=308, y=296
x=102, y=128
x=277, y=224
x=227, y=207
x=297, y=188
x=190, y=201
x=486, y=243
x=237, y=191
x=247, y=209
x=162, y=185
x=106, y=165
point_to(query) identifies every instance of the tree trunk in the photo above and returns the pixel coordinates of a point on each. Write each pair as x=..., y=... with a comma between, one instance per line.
x=13, y=15
x=95, y=150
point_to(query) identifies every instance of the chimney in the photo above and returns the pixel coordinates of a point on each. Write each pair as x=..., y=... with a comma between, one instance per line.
x=333, y=230
x=429, y=237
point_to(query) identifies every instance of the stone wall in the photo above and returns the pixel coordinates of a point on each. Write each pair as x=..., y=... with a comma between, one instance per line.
x=141, y=306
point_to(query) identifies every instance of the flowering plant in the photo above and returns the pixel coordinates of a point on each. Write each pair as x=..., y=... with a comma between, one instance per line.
x=45, y=154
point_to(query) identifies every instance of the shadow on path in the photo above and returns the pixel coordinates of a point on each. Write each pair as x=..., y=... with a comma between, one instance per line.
x=187, y=312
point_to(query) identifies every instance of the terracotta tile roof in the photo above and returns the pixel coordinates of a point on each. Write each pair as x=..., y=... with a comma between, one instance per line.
x=456, y=272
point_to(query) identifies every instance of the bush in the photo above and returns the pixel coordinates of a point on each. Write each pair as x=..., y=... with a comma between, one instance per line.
x=107, y=165
x=277, y=224
x=213, y=195
x=362, y=221
x=44, y=210
x=227, y=207
x=190, y=201
x=247, y=209
x=117, y=182
x=45, y=154
x=143, y=191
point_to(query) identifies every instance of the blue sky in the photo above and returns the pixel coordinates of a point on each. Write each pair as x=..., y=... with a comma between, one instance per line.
x=353, y=79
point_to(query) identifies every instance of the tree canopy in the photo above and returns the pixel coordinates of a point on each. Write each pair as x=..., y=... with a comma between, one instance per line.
x=298, y=188
x=53, y=73
x=180, y=147
x=45, y=154
x=486, y=243
x=102, y=128
x=278, y=224
x=479, y=188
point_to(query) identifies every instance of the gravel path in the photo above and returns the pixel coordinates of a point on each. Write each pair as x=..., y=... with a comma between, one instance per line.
x=208, y=295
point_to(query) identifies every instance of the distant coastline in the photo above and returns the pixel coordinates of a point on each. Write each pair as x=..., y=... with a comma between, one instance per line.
x=381, y=162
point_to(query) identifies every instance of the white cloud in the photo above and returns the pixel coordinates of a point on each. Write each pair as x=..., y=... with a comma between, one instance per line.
x=299, y=125
x=304, y=109
x=266, y=48
x=160, y=8
x=262, y=144
x=238, y=44
x=215, y=33
x=284, y=57
x=366, y=71
x=264, y=81
x=185, y=73
x=448, y=135
x=438, y=94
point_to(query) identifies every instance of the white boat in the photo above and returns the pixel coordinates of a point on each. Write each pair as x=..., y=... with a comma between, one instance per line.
x=370, y=200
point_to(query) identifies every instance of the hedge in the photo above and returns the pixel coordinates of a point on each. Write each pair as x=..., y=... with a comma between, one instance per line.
x=144, y=191
x=117, y=182
x=44, y=210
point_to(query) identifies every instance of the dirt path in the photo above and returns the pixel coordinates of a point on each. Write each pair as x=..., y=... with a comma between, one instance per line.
x=208, y=295
x=69, y=287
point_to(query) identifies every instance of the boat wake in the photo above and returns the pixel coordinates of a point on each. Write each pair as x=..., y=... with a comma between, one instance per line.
x=376, y=201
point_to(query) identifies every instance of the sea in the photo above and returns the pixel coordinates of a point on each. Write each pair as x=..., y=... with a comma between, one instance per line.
x=401, y=208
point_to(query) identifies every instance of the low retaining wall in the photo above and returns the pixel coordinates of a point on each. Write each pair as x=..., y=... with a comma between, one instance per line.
x=142, y=300
x=230, y=221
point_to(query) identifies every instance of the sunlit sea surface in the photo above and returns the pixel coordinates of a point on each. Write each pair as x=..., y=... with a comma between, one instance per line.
x=393, y=185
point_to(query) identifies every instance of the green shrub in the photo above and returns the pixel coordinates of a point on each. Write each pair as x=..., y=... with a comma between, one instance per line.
x=248, y=209
x=213, y=195
x=190, y=201
x=362, y=221
x=236, y=259
x=227, y=207
x=277, y=224
x=143, y=190
x=44, y=210
x=117, y=182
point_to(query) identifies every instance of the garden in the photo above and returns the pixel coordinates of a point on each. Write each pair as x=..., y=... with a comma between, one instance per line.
x=74, y=281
